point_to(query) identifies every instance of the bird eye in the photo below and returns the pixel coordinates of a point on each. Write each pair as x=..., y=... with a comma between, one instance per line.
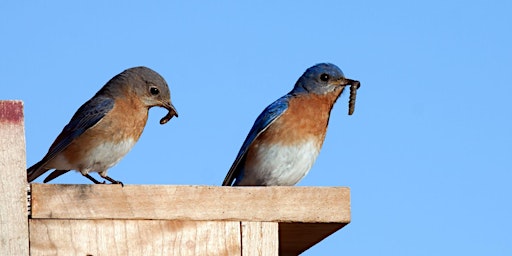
x=324, y=77
x=154, y=90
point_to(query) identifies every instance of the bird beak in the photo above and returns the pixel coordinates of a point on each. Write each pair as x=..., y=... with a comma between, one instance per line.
x=353, y=83
x=172, y=112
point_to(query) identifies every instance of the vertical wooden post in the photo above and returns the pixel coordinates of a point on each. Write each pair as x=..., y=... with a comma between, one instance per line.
x=13, y=181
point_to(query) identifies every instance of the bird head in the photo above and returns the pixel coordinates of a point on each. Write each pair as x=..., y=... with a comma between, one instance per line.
x=153, y=91
x=322, y=79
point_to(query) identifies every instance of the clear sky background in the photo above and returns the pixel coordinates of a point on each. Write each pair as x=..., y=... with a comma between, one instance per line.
x=427, y=153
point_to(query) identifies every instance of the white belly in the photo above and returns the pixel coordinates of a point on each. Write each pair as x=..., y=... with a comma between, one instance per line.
x=279, y=165
x=100, y=159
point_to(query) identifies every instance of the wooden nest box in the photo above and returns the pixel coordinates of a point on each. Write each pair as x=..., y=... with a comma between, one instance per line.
x=155, y=220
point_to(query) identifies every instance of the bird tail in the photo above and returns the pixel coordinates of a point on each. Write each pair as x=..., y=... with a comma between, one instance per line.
x=36, y=170
x=54, y=175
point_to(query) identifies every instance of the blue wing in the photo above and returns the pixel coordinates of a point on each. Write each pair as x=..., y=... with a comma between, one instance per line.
x=85, y=117
x=269, y=115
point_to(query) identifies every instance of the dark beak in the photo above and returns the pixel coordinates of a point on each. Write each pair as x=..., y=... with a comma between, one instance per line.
x=353, y=83
x=172, y=112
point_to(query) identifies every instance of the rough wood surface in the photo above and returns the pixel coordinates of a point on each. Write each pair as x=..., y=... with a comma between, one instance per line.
x=260, y=238
x=270, y=204
x=13, y=180
x=133, y=237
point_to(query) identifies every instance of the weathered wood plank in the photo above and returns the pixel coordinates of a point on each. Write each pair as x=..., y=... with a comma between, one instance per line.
x=133, y=237
x=13, y=180
x=260, y=238
x=269, y=204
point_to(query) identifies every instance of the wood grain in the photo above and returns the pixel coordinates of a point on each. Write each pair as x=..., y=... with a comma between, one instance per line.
x=270, y=204
x=260, y=238
x=13, y=180
x=133, y=237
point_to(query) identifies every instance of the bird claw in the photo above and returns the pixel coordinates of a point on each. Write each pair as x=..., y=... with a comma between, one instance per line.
x=113, y=181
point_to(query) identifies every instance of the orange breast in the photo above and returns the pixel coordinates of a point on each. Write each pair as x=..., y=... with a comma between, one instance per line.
x=126, y=120
x=307, y=117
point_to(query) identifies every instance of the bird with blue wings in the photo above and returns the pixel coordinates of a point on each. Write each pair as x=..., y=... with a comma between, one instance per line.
x=105, y=128
x=287, y=136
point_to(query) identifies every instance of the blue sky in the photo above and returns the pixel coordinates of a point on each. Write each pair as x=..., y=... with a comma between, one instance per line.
x=427, y=153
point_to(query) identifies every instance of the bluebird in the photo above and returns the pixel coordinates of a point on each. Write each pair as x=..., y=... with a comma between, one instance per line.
x=286, y=138
x=105, y=128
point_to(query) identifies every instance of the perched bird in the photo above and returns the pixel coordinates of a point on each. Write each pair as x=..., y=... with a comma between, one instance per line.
x=105, y=128
x=286, y=138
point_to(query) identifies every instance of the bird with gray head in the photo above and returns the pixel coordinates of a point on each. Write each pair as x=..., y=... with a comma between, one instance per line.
x=105, y=128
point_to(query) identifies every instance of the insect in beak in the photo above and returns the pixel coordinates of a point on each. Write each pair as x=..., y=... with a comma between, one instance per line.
x=172, y=112
x=354, y=85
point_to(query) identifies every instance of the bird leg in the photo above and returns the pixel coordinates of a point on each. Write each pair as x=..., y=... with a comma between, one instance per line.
x=112, y=180
x=93, y=179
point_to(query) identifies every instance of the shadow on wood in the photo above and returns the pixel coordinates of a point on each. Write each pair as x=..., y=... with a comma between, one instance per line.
x=287, y=220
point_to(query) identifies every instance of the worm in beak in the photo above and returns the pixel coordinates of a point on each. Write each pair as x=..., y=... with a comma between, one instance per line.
x=172, y=112
x=354, y=85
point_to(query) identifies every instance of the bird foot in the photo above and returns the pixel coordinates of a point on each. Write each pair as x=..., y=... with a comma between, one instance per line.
x=113, y=181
